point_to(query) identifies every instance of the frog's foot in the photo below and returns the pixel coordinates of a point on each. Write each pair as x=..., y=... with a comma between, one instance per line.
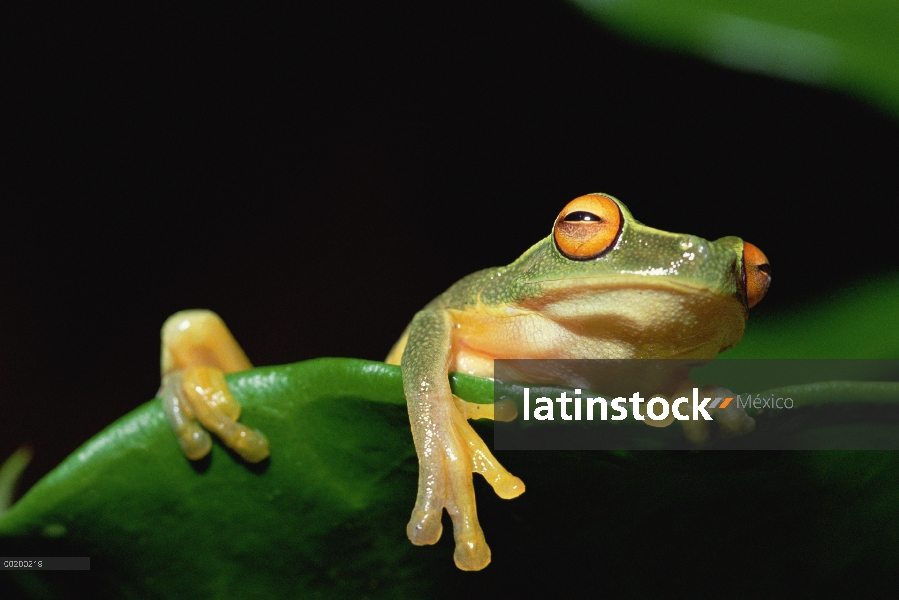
x=197, y=351
x=732, y=420
x=447, y=460
x=197, y=399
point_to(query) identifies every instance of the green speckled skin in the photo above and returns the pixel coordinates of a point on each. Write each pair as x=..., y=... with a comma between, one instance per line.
x=651, y=294
x=640, y=253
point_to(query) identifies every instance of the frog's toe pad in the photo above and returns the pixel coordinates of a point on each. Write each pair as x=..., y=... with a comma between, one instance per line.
x=508, y=486
x=425, y=528
x=735, y=423
x=472, y=554
x=250, y=444
x=695, y=432
x=194, y=440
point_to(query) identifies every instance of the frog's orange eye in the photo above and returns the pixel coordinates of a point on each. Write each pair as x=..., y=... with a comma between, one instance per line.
x=756, y=274
x=587, y=227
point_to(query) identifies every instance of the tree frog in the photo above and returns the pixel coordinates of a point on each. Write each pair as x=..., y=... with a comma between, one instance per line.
x=601, y=285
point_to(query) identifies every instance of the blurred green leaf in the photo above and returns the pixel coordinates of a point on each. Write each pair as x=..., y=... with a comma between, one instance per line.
x=861, y=320
x=852, y=46
x=325, y=516
x=10, y=470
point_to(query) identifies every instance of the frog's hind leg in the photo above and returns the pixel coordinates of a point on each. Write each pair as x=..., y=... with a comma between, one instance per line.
x=449, y=450
x=197, y=351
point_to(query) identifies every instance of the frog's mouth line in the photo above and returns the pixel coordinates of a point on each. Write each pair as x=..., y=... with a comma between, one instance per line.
x=554, y=290
x=636, y=280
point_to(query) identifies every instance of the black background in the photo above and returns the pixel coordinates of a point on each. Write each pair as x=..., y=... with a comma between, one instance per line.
x=316, y=174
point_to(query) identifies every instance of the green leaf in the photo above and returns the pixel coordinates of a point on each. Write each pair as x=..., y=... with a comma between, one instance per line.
x=10, y=471
x=325, y=516
x=861, y=320
x=326, y=513
x=852, y=46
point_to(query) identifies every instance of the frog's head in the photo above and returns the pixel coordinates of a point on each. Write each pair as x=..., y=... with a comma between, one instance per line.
x=667, y=294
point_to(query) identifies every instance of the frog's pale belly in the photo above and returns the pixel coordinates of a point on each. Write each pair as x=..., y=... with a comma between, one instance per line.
x=630, y=323
x=479, y=339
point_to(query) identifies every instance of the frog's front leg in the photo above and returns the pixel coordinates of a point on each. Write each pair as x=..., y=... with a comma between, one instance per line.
x=448, y=448
x=197, y=351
